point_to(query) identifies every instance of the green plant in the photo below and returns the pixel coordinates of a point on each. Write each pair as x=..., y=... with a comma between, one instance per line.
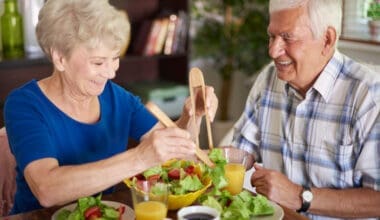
x=373, y=11
x=234, y=34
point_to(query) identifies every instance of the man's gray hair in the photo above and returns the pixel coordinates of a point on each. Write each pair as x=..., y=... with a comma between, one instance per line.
x=322, y=13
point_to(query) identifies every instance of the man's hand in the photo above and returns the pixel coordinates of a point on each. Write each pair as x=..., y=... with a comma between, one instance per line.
x=211, y=104
x=186, y=120
x=276, y=187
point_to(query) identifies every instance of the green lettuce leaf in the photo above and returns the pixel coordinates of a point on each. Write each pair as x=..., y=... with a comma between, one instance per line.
x=217, y=173
x=152, y=171
x=213, y=203
x=191, y=183
x=261, y=206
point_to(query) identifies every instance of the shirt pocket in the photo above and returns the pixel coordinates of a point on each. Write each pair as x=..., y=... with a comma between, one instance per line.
x=331, y=127
x=331, y=165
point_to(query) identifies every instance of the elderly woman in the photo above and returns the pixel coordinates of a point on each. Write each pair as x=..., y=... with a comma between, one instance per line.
x=69, y=131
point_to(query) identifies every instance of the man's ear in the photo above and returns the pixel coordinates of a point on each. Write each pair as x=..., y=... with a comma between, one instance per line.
x=57, y=59
x=329, y=40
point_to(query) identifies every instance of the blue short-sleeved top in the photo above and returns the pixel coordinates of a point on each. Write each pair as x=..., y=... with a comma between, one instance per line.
x=37, y=129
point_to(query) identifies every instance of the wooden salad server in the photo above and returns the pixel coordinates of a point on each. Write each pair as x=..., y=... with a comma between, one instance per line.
x=196, y=81
x=167, y=122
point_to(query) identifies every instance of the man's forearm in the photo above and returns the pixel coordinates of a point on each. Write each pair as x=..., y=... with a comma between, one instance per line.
x=359, y=202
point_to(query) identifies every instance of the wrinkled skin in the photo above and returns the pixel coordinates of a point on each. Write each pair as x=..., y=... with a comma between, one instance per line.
x=7, y=175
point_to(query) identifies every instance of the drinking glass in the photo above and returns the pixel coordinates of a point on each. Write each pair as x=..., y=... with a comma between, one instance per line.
x=238, y=161
x=150, y=200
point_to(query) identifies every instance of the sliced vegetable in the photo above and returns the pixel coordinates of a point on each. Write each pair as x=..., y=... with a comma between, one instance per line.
x=91, y=208
x=154, y=177
x=174, y=174
x=92, y=211
x=152, y=171
x=183, y=176
x=63, y=215
x=121, y=210
x=140, y=176
x=190, y=169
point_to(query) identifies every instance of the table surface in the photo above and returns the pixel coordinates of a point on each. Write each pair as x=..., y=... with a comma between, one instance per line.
x=122, y=195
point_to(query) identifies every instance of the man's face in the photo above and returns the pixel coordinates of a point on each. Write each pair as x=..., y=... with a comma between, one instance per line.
x=296, y=53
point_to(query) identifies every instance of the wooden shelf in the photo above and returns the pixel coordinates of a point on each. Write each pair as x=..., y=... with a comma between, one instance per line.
x=133, y=68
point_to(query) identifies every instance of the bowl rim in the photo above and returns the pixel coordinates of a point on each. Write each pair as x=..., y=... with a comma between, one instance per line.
x=199, y=209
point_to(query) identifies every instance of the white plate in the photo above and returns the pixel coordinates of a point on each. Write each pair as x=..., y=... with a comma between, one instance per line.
x=128, y=214
x=277, y=215
x=278, y=211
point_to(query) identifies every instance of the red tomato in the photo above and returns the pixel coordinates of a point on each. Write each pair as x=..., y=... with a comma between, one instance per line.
x=190, y=169
x=140, y=177
x=140, y=184
x=154, y=177
x=228, y=203
x=92, y=212
x=121, y=211
x=174, y=174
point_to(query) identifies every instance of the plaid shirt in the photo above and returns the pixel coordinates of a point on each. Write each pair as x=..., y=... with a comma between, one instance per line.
x=330, y=138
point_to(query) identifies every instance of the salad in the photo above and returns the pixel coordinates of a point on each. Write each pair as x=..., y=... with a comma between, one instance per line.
x=91, y=208
x=187, y=176
x=238, y=207
x=183, y=176
x=187, y=180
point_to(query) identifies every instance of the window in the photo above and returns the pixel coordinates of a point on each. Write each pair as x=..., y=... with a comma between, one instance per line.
x=355, y=21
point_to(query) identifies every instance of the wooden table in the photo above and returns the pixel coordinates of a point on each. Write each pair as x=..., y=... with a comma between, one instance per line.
x=122, y=195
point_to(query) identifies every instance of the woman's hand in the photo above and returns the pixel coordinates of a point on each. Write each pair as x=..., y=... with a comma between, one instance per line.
x=162, y=144
x=276, y=187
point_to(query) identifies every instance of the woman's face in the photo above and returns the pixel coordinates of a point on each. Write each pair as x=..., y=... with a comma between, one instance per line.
x=86, y=71
x=296, y=53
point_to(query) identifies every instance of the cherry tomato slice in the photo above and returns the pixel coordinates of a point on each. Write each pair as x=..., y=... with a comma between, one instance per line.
x=140, y=177
x=93, y=211
x=174, y=174
x=154, y=177
x=190, y=169
x=121, y=211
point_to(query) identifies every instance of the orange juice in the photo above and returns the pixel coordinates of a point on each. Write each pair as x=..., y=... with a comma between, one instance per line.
x=150, y=210
x=235, y=177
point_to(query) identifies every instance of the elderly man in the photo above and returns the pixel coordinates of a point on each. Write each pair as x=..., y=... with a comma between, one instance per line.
x=312, y=118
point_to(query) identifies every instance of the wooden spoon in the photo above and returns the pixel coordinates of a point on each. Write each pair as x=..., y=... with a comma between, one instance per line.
x=196, y=81
x=167, y=122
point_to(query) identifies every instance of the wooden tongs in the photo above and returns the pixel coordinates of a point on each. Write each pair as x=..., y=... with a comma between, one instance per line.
x=196, y=81
x=167, y=122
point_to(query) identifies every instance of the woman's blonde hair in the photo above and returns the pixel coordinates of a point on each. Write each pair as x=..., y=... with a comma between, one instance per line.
x=64, y=24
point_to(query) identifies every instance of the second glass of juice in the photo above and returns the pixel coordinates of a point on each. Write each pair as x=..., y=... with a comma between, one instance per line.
x=235, y=168
x=150, y=200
